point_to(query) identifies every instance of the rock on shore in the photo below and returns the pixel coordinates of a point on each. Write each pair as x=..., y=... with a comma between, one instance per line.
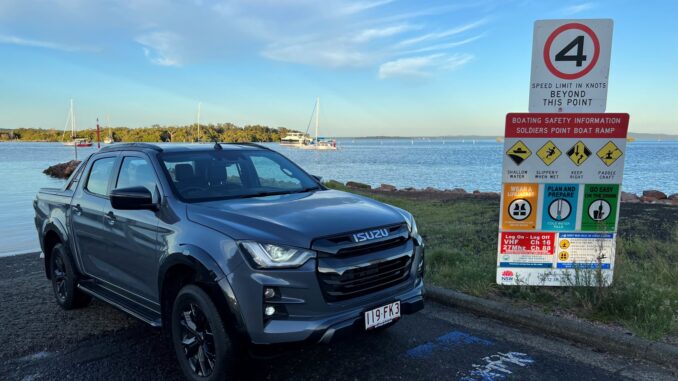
x=62, y=170
x=648, y=196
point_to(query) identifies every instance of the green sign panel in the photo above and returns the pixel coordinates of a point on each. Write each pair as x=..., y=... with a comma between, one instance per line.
x=600, y=207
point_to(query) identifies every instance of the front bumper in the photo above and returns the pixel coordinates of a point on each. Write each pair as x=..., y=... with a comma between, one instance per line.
x=309, y=317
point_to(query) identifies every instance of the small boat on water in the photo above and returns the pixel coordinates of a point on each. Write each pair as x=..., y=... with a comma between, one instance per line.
x=75, y=141
x=295, y=139
x=79, y=142
x=109, y=139
x=319, y=143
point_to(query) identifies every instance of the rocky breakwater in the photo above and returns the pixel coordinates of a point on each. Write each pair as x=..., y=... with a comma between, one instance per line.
x=428, y=192
x=62, y=170
x=648, y=196
x=651, y=196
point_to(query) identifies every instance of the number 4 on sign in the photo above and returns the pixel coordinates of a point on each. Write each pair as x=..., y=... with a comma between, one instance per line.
x=579, y=58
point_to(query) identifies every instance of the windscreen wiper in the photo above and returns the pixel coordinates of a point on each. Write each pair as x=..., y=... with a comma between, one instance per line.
x=303, y=190
x=275, y=193
x=261, y=194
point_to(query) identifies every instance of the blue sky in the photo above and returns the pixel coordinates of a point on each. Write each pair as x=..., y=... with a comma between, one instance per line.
x=380, y=67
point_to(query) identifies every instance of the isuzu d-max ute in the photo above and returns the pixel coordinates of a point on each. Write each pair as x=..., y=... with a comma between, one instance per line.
x=230, y=248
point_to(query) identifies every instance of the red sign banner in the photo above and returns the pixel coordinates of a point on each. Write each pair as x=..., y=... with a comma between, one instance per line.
x=539, y=125
x=527, y=243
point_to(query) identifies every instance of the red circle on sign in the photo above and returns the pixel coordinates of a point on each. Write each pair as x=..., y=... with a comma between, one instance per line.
x=554, y=34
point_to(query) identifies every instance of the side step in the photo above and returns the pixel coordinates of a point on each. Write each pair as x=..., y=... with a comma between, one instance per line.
x=144, y=314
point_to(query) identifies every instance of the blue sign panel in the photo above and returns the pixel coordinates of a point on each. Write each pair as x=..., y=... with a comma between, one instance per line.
x=560, y=207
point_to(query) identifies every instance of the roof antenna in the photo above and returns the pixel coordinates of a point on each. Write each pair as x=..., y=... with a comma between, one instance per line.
x=217, y=146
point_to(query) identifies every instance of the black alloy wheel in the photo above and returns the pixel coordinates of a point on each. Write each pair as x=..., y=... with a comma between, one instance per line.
x=197, y=340
x=203, y=346
x=60, y=278
x=65, y=280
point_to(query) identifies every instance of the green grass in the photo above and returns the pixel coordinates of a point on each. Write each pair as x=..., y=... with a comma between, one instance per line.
x=461, y=238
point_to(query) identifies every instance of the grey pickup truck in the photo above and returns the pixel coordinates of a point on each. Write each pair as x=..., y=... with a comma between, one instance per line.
x=232, y=248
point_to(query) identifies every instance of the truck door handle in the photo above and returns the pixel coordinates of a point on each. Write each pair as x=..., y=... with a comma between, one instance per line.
x=110, y=218
x=77, y=209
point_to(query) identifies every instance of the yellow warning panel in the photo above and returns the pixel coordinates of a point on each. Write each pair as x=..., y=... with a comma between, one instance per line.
x=609, y=153
x=563, y=256
x=564, y=244
x=520, y=206
x=579, y=153
x=519, y=152
x=548, y=153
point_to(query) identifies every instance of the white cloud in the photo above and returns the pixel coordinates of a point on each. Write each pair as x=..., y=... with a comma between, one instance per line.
x=574, y=9
x=328, y=33
x=14, y=40
x=161, y=48
x=318, y=53
x=443, y=34
x=447, y=45
x=374, y=33
x=422, y=66
x=364, y=5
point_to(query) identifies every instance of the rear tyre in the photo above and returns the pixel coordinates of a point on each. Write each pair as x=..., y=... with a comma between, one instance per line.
x=65, y=280
x=203, y=347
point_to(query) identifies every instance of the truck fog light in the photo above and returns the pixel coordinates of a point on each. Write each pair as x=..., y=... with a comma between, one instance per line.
x=269, y=310
x=269, y=293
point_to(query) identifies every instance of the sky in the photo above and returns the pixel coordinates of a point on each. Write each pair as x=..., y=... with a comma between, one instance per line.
x=380, y=67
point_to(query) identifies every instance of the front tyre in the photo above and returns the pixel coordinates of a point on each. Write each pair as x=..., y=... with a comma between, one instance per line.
x=65, y=280
x=204, y=349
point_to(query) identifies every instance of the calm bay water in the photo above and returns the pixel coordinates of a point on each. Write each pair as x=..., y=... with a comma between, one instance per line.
x=418, y=163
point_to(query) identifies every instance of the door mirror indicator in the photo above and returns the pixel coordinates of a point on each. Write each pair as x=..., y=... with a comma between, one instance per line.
x=132, y=198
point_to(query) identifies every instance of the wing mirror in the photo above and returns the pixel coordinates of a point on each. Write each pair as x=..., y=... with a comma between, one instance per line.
x=132, y=198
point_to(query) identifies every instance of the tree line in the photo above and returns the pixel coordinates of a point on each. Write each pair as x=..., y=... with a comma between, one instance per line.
x=223, y=132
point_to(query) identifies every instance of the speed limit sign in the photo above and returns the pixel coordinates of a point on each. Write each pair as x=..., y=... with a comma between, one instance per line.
x=570, y=65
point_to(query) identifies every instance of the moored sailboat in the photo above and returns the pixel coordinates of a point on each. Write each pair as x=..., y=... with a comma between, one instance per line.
x=319, y=143
x=75, y=141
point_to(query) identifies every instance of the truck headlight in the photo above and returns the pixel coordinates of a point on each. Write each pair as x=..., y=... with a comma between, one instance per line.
x=413, y=228
x=269, y=256
x=411, y=224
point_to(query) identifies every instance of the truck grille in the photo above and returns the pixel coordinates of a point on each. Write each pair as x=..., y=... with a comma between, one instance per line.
x=343, y=244
x=363, y=280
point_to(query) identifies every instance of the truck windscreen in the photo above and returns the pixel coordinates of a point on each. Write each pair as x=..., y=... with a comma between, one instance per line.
x=224, y=174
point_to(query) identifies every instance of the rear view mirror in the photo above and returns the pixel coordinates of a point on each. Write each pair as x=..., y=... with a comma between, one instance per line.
x=319, y=178
x=132, y=198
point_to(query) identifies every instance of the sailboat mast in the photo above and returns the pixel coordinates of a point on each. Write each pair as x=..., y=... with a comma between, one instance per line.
x=68, y=120
x=199, y=105
x=317, y=117
x=72, y=121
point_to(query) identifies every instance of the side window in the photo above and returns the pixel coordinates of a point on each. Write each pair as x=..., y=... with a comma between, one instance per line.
x=272, y=175
x=97, y=182
x=76, y=178
x=136, y=171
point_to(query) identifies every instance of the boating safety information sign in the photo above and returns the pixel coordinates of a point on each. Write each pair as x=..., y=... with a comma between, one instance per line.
x=561, y=182
x=570, y=65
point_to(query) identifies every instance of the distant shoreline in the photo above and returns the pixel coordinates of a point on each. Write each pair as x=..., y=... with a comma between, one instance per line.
x=639, y=137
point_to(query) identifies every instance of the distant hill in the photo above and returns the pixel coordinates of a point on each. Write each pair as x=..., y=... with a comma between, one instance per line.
x=644, y=136
x=635, y=135
x=450, y=137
